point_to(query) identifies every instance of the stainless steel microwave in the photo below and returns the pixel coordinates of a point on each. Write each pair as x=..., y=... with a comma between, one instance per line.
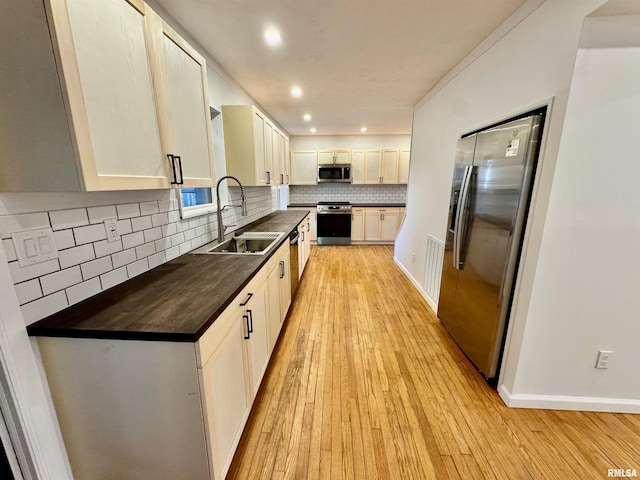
x=334, y=173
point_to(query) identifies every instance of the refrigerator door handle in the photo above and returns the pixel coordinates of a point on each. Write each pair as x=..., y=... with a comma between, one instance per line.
x=458, y=235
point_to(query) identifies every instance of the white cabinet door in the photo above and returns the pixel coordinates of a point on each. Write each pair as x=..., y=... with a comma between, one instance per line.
x=106, y=53
x=372, y=161
x=389, y=227
x=285, y=161
x=268, y=152
x=357, y=166
x=357, y=224
x=325, y=157
x=313, y=226
x=372, y=224
x=225, y=396
x=304, y=167
x=301, y=248
x=274, y=318
x=186, y=122
x=342, y=156
x=254, y=317
x=389, y=169
x=259, y=149
x=403, y=168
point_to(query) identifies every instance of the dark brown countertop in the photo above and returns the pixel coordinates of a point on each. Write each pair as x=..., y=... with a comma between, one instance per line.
x=176, y=301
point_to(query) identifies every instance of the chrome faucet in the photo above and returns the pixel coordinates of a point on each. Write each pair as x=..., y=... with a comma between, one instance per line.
x=221, y=227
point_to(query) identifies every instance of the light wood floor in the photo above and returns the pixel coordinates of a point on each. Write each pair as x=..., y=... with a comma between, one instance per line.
x=366, y=383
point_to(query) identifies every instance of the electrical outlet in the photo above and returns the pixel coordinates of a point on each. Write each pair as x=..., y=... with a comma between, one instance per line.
x=111, y=228
x=604, y=356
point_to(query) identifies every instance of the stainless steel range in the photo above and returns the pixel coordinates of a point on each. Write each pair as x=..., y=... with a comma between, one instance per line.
x=334, y=223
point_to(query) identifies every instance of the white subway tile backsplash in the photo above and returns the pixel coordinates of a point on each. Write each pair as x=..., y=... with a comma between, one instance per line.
x=113, y=278
x=149, y=208
x=76, y=255
x=165, y=206
x=64, y=239
x=168, y=230
x=145, y=250
x=152, y=233
x=132, y=239
x=61, y=219
x=100, y=214
x=177, y=239
x=162, y=244
x=104, y=248
x=128, y=210
x=57, y=281
x=159, y=219
x=123, y=258
x=44, y=307
x=156, y=259
x=83, y=290
x=28, y=291
x=9, y=251
x=89, y=234
x=17, y=223
x=124, y=227
x=173, y=216
x=96, y=267
x=140, y=223
x=136, y=268
x=21, y=274
x=171, y=253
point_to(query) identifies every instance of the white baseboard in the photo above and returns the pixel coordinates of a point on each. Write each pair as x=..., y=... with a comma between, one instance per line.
x=432, y=303
x=561, y=402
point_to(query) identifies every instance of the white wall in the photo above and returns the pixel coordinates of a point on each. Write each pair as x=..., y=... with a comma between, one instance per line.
x=353, y=142
x=531, y=63
x=585, y=295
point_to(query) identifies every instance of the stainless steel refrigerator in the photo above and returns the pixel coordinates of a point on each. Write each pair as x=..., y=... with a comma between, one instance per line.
x=489, y=201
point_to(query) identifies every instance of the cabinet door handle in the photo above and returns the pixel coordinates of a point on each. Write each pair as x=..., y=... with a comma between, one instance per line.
x=249, y=295
x=268, y=177
x=308, y=227
x=281, y=269
x=282, y=178
x=246, y=320
x=173, y=168
x=250, y=321
x=180, y=170
x=302, y=235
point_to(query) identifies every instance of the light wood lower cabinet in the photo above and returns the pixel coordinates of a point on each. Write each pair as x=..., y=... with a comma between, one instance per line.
x=375, y=224
x=164, y=410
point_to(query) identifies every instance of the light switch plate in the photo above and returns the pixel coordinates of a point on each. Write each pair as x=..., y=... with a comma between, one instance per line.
x=34, y=246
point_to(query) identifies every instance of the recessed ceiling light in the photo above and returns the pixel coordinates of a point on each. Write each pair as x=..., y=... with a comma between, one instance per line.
x=313, y=130
x=272, y=37
x=296, y=92
x=363, y=129
x=307, y=117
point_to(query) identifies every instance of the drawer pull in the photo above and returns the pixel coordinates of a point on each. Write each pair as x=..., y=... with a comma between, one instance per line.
x=249, y=295
x=246, y=320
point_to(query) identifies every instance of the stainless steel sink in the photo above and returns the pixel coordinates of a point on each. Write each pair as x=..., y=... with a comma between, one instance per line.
x=249, y=243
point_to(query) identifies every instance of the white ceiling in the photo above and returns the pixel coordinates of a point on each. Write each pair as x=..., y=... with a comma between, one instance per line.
x=358, y=62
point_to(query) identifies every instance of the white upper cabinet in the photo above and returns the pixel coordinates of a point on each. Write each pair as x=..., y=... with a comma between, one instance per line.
x=357, y=166
x=109, y=95
x=252, y=146
x=403, y=168
x=304, y=167
x=186, y=124
x=389, y=167
x=334, y=156
x=372, y=161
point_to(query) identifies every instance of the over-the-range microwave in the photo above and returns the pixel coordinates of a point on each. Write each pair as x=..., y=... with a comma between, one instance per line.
x=334, y=173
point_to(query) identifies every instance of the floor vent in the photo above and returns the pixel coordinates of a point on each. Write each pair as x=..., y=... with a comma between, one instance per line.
x=433, y=270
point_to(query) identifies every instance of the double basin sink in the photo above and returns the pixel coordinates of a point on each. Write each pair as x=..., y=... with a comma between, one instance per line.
x=248, y=243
